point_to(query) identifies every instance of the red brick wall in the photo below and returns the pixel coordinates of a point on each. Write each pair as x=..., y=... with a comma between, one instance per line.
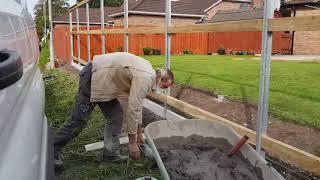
x=257, y=4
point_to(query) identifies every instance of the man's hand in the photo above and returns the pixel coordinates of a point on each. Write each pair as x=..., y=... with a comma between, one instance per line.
x=134, y=151
x=140, y=139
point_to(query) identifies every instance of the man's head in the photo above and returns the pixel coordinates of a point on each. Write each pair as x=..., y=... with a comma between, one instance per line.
x=164, y=78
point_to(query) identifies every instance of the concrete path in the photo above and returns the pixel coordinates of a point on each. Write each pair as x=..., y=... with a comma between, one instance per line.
x=292, y=57
x=297, y=57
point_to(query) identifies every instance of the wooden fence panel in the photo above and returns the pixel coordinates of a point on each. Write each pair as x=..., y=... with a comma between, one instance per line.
x=248, y=41
x=62, y=43
x=198, y=43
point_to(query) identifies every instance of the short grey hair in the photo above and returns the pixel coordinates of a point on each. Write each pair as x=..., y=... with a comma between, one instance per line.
x=166, y=74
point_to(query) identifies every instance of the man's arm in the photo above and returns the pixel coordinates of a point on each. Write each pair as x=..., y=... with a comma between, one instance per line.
x=140, y=139
x=138, y=92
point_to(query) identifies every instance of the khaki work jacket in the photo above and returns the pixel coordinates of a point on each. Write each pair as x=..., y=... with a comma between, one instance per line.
x=118, y=75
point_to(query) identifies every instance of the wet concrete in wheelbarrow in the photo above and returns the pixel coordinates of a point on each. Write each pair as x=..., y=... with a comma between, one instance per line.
x=205, y=158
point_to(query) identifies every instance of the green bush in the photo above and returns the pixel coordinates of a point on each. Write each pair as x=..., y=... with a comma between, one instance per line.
x=147, y=50
x=119, y=49
x=221, y=50
x=187, y=51
x=156, y=51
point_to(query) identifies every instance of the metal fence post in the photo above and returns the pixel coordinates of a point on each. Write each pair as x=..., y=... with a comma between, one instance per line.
x=78, y=35
x=168, y=48
x=103, y=43
x=262, y=119
x=168, y=36
x=88, y=34
x=51, y=36
x=45, y=21
x=71, y=36
x=126, y=25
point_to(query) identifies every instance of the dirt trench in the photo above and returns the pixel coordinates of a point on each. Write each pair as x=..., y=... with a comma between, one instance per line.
x=244, y=113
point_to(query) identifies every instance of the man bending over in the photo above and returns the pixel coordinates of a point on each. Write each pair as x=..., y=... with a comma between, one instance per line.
x=109, y=77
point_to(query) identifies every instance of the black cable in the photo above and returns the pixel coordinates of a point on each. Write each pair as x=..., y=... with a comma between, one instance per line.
x=287, y=168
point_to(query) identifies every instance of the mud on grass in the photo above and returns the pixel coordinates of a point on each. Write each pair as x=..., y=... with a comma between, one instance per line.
x=79, y=164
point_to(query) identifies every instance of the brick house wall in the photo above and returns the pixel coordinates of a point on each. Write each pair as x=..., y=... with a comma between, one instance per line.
x=257, y=4
x=307, y=42
x=155, y=20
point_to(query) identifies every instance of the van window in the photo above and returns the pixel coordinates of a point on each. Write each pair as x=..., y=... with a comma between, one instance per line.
x=5, y=27
x=17, y=23
x=18, y=1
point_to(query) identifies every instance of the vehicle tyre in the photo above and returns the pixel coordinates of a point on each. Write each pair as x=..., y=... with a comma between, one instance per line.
x=11, y=68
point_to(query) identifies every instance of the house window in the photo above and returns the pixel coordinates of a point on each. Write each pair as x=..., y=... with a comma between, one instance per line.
x=111, y=23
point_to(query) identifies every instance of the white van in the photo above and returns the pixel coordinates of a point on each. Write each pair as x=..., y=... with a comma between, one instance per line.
x=24, y=147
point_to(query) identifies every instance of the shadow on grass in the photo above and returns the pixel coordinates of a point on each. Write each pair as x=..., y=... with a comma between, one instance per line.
x=247, y=110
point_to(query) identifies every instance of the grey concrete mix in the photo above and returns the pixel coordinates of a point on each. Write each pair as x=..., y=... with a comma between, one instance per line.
x=205, y=158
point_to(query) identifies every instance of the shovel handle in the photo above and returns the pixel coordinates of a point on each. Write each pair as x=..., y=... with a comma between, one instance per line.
x=238, y=146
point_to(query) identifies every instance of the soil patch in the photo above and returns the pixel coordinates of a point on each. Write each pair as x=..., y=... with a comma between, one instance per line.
x=149, y=117
x=244, y=113
x=197, y=157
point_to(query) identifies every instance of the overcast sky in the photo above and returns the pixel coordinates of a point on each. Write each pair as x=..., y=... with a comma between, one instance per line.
x=32, y=3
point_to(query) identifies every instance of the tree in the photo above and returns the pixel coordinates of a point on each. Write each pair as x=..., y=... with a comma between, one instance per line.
x=58, y=7
x=96, y=3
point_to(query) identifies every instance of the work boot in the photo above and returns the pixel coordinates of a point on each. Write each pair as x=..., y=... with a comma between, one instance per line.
x=58, y=163
x=111, y=152
x=116, y=159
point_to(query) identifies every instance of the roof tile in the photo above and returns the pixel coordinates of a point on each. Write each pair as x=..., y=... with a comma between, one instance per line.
x=194, y=7
x=94, y=14
x=223, y=16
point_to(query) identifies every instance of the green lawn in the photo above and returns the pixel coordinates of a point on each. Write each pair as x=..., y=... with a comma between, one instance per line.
x=294, y=86
x=79, y=164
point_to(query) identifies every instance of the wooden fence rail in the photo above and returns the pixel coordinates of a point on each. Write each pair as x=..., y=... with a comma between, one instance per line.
x=308, y=23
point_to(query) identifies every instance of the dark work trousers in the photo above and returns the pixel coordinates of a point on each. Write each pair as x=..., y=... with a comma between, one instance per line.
x=80, y=115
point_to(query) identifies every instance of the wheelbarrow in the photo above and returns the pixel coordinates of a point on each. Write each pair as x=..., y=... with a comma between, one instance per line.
x=204, y=128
